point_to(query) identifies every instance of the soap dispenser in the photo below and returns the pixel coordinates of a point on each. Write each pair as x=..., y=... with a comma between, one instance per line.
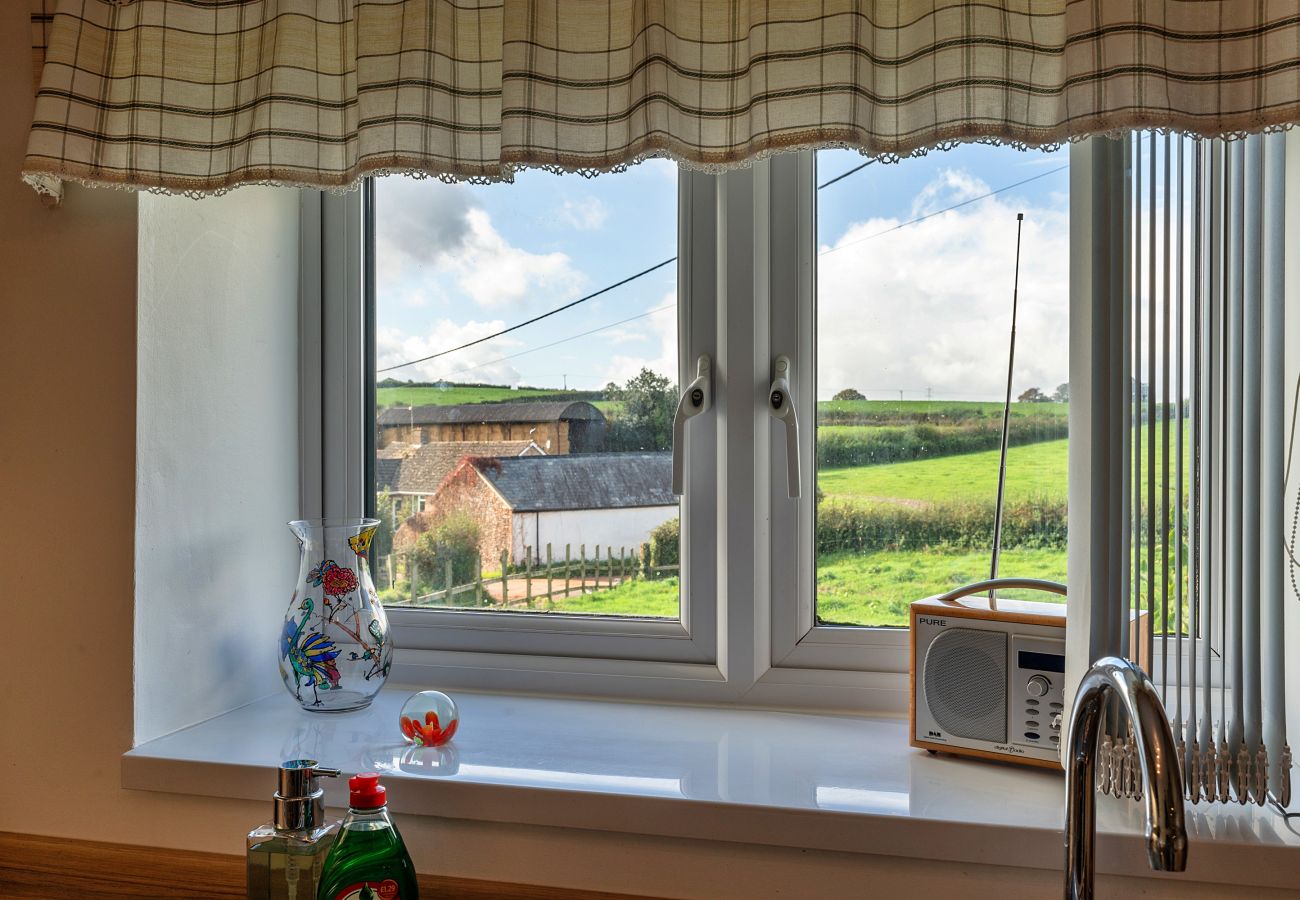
x=285, y=855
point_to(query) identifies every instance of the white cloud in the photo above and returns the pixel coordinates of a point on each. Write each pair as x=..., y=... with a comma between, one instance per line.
x=928, y=307
x=585, y=213
x=949, y=187
x=660, y=328
x=428, y=229
x=393, y=346
x=496, y=274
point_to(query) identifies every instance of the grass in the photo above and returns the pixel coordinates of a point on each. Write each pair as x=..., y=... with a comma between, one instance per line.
x=453, y=394
x=1034, y=471
x=468, y=393
x=933, y=411
x=632, y=598
x=876, y=588
x=852, y=588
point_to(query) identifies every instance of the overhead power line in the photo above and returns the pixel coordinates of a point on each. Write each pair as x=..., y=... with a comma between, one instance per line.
x=672, y=259
x=939, y=212
x=572, y=337
x=526, y=322
x=840, y=177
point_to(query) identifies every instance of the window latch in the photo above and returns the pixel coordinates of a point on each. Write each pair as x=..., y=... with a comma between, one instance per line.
x=780, y=403
x=696, y=399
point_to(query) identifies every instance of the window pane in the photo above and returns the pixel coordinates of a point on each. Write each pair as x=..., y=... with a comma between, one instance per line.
x=914, y=300
x=526, y=367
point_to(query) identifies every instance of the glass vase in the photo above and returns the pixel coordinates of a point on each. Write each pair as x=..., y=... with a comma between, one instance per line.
x=336, y=647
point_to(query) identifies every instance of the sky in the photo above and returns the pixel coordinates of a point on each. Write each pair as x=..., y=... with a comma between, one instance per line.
x=922, y=307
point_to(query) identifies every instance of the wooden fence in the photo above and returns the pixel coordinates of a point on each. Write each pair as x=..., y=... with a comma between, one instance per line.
x=537, y=580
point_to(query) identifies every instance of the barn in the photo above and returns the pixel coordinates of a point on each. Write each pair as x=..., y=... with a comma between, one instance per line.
x=414, y=474
x=592, y=499
x=557, y=426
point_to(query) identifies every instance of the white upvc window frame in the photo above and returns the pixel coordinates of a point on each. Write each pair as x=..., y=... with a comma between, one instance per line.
x=747, y=291
x=337, y=452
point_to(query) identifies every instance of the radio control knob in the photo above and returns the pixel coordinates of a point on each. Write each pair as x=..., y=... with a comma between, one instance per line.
x=1038, y=686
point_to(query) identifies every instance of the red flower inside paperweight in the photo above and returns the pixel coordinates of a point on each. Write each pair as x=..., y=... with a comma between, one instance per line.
x=429, y=719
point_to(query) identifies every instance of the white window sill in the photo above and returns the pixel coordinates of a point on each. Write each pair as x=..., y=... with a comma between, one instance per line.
x=814, y=781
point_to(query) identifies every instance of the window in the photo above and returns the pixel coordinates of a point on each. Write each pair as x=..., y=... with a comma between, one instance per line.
x=904, y=333
x=915, y=274
x=527, y=386
x=529, y=344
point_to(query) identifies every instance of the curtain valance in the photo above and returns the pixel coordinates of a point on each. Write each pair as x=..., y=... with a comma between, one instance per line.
x=203, y=95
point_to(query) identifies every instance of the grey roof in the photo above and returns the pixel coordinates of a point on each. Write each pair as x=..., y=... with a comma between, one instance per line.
x=424, y=469
x=475, y=413
x=396, y=450
x=386, y=470
x=582, y=480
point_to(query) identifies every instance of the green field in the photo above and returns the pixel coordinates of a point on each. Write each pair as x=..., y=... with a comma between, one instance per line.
x=932, y=411
x=457, y=393
x=633, y=598
x=876, y=588
x=872, y=587
x=852, y=588
x=892, y=411
x=1035, y=471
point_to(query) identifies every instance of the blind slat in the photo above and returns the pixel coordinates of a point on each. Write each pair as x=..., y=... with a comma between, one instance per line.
x=1204, y=353
x=1273, y=439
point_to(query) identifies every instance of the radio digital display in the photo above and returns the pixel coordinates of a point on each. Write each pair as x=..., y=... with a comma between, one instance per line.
x=1043, y=662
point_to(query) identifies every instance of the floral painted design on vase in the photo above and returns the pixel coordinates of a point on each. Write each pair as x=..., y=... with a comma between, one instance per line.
x=335, y=647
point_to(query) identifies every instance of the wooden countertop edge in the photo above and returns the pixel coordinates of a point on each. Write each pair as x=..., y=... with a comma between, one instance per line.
x=34, y=866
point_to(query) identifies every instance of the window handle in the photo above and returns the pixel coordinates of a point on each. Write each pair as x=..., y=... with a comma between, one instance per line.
x=780, y=403
x=696, y=399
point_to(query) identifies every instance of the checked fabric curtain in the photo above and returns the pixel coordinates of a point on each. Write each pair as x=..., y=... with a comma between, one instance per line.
x=199, y=96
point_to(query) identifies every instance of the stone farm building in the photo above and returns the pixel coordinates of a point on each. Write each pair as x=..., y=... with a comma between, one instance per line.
x=597, y=499
x=563, y=426
x=412, y=474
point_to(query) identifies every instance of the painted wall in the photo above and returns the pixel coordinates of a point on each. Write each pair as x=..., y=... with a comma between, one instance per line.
x=216, y=450
x=68, y=281
x=603, y=528
x=67, y=492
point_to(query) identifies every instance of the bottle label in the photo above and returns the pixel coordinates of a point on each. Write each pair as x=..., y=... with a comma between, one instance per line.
x=370, y=890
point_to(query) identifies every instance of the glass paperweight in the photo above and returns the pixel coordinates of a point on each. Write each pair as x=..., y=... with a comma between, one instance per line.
x=429, y=719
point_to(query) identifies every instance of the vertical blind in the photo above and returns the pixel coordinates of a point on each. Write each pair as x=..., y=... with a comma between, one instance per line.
x=1204, y=441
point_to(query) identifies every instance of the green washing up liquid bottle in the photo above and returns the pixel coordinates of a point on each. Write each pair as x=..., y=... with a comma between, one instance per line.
x=368, y=860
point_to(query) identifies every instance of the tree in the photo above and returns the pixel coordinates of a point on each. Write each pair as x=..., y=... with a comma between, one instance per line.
x=1062, y=393
x=849, y=394
x=644, y=420
x=1033, y=395
x=382, y=543
x=453, y=540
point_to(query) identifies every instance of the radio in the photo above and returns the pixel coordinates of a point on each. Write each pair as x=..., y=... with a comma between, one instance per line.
x=987, y=679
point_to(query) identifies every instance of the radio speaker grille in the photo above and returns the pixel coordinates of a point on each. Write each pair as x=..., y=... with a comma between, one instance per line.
x=965, y=683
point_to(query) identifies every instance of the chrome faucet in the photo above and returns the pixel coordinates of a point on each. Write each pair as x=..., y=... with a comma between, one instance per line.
x=1161, y=782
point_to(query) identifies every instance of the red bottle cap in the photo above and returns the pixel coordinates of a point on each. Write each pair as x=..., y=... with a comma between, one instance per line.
x=365, y=791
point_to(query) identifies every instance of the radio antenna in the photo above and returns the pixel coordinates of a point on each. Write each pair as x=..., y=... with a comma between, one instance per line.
x=1006, y=422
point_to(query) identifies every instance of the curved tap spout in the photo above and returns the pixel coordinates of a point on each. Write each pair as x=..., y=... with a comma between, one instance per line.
x=1161, y=782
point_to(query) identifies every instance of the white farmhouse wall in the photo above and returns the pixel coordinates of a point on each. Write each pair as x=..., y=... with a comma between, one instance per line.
x=628, y=527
